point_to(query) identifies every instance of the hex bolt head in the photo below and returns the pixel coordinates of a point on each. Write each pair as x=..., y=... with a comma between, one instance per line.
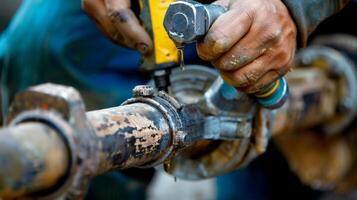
x=181, y=22
x=188, y=21
x=143, y=91
x=185, y=21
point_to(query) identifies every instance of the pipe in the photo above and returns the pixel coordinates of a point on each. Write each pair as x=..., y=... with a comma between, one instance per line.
x=312, y=101
x=33, y=157
x=143, y=132
x=130, y=136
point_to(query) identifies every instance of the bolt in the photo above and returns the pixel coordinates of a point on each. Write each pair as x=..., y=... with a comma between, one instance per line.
x=143, y=91
x=181, y=22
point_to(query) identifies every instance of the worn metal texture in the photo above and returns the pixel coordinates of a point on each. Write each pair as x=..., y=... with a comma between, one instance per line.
x=222, y=144
x=130, y=136
x=33, y=158
x=38, y=104
x=154, y=128
x=341, y=69
x=143, y=132
x=312, y=102
x=324, y=158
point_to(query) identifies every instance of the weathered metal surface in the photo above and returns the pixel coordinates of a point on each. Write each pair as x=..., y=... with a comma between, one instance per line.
x=39, y=103
x=223, y=140
x=340, y=69
x=130, y=136
x=154, y=128
x=320, y=161
x=144, y=131
x=33, y=158
x=324, y=158
x=312, y=101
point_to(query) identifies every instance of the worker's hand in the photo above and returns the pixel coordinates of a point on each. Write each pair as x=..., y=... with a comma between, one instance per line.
x=252, y=44
x=116, y=20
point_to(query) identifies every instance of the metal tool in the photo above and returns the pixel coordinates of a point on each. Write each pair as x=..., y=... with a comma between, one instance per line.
x=164, y=55
x=188, y=21
x=164, y=52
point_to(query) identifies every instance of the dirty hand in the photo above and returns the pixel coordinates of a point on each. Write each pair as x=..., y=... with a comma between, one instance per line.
x=116, y=20
x=252, y=44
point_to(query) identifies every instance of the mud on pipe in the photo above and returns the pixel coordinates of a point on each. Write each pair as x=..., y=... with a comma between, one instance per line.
x=141, y=133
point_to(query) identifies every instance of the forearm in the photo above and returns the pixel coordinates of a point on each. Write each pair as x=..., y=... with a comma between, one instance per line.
x=309, y=14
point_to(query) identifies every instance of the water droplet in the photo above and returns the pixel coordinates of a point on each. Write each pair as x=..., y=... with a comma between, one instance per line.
x=181, y=58
x=167, y=166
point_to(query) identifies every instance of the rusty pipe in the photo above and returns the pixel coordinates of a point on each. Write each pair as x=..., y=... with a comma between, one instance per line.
x=140, y=133
x=33, y=158
x=129, y=136
x=150, y=128
x=136, y=134
x=312, y=102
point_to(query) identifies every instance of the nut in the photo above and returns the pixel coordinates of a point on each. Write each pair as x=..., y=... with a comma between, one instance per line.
x=143, y=91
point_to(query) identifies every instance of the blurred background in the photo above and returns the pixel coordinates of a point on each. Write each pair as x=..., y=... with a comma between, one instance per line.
x=7, y=10
x=269, y=175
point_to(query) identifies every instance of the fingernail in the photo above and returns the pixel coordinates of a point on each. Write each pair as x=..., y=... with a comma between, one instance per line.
x=142, y=47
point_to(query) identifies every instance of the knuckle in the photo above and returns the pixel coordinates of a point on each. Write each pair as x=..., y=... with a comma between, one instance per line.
x=225, y=64
x=234, y=61
x=119, y=16
x=283, y=59
x=274, y=34
x=246, y=78
x=249, y=14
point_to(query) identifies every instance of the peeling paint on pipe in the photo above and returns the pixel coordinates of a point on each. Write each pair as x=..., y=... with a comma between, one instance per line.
x=130, y=136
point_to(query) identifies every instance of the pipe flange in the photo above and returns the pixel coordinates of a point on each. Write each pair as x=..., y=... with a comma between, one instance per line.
x=56, y=122
x=67, y=103
x=169, y=109
x=343, y=70
x=189, y=87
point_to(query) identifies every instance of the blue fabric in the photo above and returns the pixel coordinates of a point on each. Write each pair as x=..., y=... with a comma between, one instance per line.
x=55, y=41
